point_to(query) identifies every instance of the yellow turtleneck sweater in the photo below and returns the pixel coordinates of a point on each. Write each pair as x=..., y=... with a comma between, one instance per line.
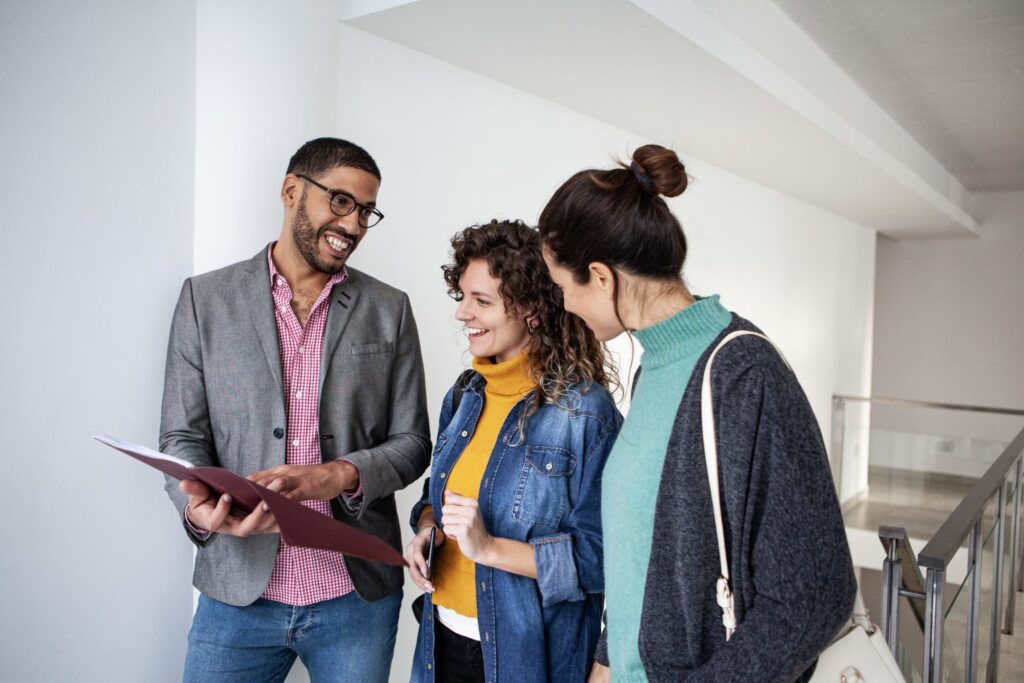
x=453, y=574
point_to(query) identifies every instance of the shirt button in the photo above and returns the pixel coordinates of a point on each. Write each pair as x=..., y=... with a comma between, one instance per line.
x=280, y=280
x=302, y=350
x=278, y=433
x=295, y=442
x=298, y=394
x=464, y=433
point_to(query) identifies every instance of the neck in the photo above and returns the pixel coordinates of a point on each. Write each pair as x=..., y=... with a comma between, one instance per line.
x=656, y=302
x=295, y=269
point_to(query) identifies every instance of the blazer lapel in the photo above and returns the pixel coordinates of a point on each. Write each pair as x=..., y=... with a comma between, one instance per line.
x=260, y=302
x=344, y=297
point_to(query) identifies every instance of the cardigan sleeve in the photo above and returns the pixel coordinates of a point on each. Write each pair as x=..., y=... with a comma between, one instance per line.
x=797, y=583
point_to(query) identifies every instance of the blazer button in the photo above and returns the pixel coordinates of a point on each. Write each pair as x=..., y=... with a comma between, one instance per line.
x=278, y=433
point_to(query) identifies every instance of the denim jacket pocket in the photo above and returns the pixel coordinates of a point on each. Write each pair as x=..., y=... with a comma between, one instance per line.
x=542, y=494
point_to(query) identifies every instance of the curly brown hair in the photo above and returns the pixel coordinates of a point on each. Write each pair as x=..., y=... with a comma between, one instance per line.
x=562, y=350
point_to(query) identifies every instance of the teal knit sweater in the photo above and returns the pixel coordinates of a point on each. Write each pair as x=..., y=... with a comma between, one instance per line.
x=633, y=472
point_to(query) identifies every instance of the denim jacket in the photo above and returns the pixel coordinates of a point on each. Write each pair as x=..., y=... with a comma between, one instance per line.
x=544, y=490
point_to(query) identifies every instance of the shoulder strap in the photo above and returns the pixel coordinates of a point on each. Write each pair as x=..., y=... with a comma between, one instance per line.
x=707, y=418
x=726, y=599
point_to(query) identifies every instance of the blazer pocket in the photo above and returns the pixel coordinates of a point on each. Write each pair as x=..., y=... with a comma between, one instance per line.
x=367, y=349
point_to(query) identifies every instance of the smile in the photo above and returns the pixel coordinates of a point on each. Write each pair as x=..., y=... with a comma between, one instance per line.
x=337, y=244
x=475, y=332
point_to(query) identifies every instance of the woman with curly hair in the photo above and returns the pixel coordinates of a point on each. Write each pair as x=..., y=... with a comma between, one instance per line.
x=515, y=589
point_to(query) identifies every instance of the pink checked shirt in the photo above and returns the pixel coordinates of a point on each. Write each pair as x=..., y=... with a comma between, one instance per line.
x=303, y=576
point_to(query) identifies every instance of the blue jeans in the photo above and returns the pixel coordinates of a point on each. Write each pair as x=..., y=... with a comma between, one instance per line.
x=345, y=639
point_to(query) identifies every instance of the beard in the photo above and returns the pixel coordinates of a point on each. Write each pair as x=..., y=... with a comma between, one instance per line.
x=307, y=239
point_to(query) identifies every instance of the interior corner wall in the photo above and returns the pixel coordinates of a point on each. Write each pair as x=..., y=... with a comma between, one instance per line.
x=456, y=148
x=949, y=325
x=97, y=124
x=266, y=81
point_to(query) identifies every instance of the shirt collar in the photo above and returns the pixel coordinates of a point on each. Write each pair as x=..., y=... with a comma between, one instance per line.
x=276, y=278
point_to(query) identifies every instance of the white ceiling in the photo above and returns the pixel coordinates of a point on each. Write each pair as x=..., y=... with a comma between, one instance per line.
x=951, y=72
x=738, y=83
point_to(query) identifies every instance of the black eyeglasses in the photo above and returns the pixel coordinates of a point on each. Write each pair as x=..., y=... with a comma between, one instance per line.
x=342, y=204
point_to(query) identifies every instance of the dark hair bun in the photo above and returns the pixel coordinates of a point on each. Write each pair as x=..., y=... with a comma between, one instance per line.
x=666, y=173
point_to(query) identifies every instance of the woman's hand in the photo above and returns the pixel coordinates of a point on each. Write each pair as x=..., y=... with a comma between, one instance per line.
x=461, y=520
x=599, y=673
x=416, y=557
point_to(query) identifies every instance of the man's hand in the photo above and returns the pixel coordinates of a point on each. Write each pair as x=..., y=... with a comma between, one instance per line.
x=461, y=520
x=599, y=673
x=416, y=557
x=310, y=482
x=214, y=513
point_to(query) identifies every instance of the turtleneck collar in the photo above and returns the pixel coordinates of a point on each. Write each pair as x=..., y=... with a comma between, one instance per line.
x=687, y=332
x=509, y=378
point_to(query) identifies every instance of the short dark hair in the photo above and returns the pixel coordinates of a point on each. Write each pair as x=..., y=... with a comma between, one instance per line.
x=321, y=155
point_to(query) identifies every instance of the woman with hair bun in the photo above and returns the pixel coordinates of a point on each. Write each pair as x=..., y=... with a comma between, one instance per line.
x=514, y=592
x=616, y=251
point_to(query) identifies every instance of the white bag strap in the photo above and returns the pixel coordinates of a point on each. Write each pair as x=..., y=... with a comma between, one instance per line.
x=726, y=599
x=707, y=417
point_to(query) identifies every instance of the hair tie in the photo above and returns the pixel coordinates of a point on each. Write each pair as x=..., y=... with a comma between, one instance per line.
x=642, y=177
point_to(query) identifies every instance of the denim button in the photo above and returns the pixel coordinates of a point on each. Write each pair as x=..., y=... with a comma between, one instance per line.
x=429, y=666
x=442, y=475
x=465, y=433
x=548, y=467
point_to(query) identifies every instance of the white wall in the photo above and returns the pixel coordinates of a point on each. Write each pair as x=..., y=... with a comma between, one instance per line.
x=456, y=148
x=97, y=173
x=949, y=326
x=266, y=80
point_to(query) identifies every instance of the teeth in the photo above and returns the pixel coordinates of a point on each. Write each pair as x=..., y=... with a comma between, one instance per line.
x=335, y=243
x=475, y=330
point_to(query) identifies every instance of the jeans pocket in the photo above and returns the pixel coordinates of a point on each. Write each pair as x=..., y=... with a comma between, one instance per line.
x=542, y=494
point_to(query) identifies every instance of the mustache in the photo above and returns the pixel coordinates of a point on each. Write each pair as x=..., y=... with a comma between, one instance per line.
x=338, y=231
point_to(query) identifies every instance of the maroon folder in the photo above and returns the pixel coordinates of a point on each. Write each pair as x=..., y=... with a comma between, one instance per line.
x=300, y=525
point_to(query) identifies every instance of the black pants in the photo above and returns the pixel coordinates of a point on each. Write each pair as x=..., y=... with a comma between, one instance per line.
x=457, y=659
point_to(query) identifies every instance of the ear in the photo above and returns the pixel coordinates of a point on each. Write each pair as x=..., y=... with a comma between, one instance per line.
x=603, y=278
x=290, y=190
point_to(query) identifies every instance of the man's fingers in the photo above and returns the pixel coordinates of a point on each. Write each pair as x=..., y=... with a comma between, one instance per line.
x=196, y=491
x=257, y=521
x=220, y=513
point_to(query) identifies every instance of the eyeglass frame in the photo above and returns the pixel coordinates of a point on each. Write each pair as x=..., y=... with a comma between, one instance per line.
x=355, y=205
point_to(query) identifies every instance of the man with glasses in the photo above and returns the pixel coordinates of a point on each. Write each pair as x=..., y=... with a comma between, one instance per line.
x=305, y=375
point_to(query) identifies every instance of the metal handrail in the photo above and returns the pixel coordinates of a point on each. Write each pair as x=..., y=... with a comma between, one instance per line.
x=929, y=404
x=966, y=520
x=939, y=551
x=901, y=576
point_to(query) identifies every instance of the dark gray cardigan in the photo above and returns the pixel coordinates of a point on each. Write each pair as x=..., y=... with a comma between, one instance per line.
x=790, y=563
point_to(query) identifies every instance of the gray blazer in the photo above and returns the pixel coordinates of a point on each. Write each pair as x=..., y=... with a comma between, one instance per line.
x=223, y=405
